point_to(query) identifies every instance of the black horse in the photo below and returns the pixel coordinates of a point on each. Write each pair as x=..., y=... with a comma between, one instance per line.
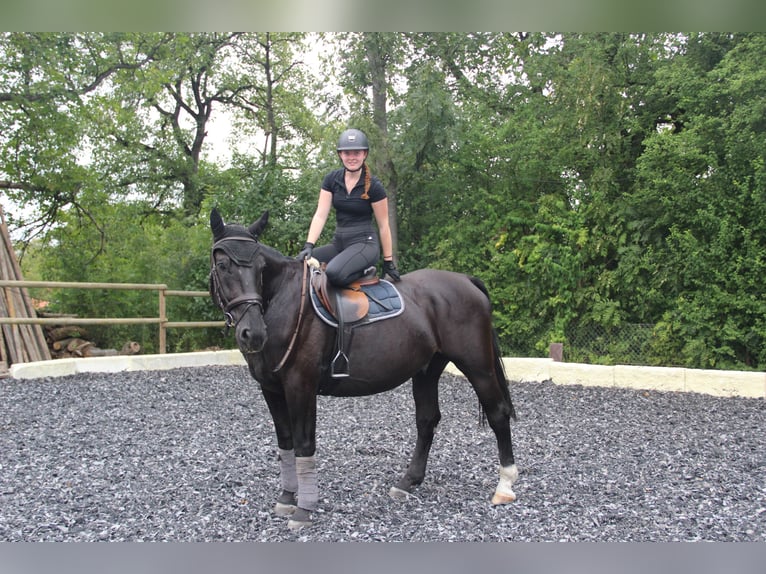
x=288, y=349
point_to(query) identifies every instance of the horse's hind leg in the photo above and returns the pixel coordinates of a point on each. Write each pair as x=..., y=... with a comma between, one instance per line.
x=425, y=391
x=498, y=409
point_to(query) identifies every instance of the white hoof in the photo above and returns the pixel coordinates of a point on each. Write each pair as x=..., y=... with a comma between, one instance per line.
x=504, y=492
x=503, y=498
x=398, y=493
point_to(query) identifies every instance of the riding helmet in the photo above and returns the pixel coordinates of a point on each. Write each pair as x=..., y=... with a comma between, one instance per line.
x=353, y=139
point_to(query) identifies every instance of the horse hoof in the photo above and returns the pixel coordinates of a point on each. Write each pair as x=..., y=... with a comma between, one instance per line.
x=504, y=498
x=397, y=493
x=301, y=518
x=286, y=503
x=281, y=509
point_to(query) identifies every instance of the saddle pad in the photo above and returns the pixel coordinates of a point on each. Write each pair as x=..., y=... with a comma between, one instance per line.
x=385, y=302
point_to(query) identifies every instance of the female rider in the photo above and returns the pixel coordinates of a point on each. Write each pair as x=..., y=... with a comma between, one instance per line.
x=356, y=196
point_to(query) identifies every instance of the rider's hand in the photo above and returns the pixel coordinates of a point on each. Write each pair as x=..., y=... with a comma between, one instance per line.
x=306, y=252
x=390, y=269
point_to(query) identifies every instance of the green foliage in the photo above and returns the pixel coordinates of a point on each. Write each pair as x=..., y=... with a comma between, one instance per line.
x=593, y=181
x=146, y=250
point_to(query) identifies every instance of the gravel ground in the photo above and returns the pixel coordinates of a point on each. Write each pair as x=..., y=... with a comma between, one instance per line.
x=189, y=455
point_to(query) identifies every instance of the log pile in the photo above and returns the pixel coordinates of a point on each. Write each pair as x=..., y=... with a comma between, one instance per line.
x=18, y=343
x=70, y=341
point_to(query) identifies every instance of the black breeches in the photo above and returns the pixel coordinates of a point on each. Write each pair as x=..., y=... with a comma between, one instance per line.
x=350, y=253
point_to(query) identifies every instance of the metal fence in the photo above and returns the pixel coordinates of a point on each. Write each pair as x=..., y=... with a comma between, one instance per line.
x=630, y=344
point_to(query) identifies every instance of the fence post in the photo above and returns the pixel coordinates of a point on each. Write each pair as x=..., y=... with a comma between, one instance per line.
x=163, y=319
x=556, y=351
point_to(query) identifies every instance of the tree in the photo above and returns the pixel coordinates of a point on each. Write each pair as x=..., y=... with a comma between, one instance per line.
x=137, y=155
x=370, y=68
x=706, y=171
x=45, y=83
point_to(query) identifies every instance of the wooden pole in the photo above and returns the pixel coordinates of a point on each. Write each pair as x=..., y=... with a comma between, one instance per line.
x=25, y=342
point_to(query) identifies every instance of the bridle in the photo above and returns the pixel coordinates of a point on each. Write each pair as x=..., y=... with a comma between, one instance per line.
x=252, y=299
x=249, y=299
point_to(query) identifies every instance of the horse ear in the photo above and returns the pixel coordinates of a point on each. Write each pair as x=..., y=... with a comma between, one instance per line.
x=216, y=224
x=257, y=228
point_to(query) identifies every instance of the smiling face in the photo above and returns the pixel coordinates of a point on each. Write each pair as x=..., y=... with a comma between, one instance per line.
x=353, y=158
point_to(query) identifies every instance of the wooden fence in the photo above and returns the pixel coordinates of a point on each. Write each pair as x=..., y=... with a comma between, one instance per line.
x=161, y=320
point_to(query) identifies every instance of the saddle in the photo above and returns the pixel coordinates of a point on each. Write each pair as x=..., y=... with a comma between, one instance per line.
x=349, y=303
x=364, y=301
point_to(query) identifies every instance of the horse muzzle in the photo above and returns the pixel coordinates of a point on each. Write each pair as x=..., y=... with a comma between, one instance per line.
x=250, y=326
x=250, y=341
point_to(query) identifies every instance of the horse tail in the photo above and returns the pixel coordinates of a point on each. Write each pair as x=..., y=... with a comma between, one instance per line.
x=502, y=379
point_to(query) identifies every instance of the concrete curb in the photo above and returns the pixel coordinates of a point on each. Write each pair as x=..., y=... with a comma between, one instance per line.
x=712, y=382
x=116, y=364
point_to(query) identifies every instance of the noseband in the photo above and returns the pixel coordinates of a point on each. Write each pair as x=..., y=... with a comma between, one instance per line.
x=248, y=299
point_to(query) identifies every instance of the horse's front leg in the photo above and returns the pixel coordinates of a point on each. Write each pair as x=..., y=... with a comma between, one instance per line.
x=287, y=499
x=302, y=405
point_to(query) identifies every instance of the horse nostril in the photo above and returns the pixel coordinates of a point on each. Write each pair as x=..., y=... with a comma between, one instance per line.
x=251, y=340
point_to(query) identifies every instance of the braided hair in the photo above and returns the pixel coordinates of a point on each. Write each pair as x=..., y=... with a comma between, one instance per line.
x=367, y=180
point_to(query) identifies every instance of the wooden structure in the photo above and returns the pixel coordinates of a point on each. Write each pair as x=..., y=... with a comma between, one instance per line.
x=18, y=343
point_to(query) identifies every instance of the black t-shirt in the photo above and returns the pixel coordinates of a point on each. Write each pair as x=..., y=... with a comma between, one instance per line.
x=350, y=209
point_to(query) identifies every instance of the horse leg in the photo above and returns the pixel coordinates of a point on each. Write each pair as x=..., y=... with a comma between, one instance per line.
x=286, y=501
x=302, y=408
x=425, y=391
x=499, y=421
x=308, y=493
x=498, y=409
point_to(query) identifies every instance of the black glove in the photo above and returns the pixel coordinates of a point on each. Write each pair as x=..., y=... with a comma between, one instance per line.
x=308, y=249
x=390, y=269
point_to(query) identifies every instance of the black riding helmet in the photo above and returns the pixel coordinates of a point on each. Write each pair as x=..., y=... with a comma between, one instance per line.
x=353, y=139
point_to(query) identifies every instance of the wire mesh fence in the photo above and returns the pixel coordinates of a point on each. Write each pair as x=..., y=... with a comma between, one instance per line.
x=629, y=344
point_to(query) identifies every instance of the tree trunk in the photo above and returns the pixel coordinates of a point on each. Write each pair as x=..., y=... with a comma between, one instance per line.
x=384, y=166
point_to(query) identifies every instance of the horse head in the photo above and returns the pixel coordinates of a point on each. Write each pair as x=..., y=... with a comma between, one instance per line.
x=236, y=282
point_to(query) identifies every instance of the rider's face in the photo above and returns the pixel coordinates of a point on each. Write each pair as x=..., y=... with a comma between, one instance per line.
x=353, y=158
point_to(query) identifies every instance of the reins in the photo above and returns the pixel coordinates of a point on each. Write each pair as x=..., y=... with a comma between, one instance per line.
x=304, y=291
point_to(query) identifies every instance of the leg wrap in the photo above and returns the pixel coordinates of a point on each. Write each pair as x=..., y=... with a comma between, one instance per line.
x=287, y=474
x=308, y=492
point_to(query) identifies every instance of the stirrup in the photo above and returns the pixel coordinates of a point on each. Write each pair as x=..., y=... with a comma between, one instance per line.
x=339, y=365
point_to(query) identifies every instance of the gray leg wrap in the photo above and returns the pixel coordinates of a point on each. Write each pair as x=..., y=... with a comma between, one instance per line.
x=287, y=472
x=308, y=492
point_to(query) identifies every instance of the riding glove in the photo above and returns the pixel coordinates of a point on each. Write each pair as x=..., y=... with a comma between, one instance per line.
x=390, y=269
x=306, y=252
